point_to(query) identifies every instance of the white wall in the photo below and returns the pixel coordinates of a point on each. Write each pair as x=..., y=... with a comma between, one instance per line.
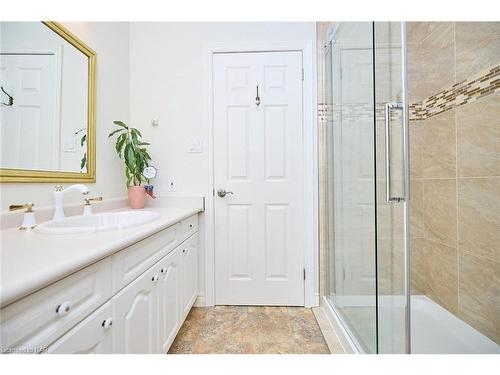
x=110, y=40
x=167, y=81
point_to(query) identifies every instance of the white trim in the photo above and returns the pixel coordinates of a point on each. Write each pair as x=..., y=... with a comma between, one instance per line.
x=311, y=260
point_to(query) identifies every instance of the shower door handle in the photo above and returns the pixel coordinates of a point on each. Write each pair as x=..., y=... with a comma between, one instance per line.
x=388, y=110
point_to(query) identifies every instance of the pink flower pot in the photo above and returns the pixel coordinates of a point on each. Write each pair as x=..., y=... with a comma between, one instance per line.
x=136, y=196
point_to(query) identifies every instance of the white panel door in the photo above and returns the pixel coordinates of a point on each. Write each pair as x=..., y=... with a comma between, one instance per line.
x=29, y=128
x=94, y=335
x=259, y=227
x=170, y=298
x=135, y=310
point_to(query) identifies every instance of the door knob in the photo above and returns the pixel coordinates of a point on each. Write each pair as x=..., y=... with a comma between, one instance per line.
x=222, y=193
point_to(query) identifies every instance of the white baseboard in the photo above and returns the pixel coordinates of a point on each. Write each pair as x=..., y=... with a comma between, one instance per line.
x=200, y=300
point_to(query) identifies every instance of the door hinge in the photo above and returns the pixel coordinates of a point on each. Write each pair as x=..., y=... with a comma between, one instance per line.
x=213, y=192
x=304, y=273
x=302, y=74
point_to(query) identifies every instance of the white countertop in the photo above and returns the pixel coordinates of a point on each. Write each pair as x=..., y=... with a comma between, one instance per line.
x=31, y=260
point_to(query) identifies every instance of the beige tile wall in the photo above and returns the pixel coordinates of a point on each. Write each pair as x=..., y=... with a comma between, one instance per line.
x=455, y=174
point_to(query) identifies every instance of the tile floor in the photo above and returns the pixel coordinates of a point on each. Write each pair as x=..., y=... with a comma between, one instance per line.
x=250, y=330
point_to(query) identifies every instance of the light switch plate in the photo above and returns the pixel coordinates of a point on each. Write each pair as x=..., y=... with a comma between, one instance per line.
x=195, y=146
x=70, y=144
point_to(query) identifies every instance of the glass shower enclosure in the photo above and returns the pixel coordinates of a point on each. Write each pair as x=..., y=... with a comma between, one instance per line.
x=452, y=78
x=367, y=183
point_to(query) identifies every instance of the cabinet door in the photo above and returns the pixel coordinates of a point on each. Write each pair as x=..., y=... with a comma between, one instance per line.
x=189, y=261
x=169, y=289
x=93, y=335
x=135, y=310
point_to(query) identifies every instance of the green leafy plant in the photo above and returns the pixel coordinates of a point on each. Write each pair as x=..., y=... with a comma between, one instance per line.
x=83, y=140
x=130, y=148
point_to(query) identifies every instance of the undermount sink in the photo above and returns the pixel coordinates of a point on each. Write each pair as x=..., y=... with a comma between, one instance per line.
x=97, y=222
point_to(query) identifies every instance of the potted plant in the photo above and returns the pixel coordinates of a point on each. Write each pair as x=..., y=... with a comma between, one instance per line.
x=130, y=148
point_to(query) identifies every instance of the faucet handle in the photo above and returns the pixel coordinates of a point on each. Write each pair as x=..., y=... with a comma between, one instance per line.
x=29, y=220
x=27, y=206
x=58, y=188
x=88, y=200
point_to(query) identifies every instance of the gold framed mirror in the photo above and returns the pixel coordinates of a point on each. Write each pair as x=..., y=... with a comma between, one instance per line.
x=47, y=104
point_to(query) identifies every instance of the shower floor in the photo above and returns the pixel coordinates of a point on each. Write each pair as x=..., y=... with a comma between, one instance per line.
x=250, y=330
x=434, y=330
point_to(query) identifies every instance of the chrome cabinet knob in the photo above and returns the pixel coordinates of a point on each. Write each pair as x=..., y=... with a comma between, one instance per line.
x=107, y=323
x=163, y=270
x=184, y=251
x=222, y=193
x=155, y=278
x=63, y=308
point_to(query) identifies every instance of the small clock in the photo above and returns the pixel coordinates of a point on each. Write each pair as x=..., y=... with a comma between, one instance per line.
x=149, y=172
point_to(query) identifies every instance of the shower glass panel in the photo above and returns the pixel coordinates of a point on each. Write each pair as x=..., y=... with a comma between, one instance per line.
x=391, y=203
x=351, y=177
x=367, y=286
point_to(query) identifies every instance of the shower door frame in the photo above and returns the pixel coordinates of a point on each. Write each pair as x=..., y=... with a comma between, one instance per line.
x=406, y=183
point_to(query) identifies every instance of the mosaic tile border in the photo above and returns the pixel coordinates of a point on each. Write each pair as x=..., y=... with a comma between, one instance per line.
x=485, y=83
x=350, y=112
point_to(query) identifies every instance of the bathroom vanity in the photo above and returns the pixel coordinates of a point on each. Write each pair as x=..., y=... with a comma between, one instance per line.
x=121, y=291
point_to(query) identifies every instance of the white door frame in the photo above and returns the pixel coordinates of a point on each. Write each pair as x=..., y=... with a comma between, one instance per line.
x=310, y=153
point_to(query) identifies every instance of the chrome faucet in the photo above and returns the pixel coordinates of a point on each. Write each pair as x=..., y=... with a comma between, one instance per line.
x=58, y=198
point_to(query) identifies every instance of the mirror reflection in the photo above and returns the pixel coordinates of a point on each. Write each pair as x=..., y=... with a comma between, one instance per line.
x=44, y=106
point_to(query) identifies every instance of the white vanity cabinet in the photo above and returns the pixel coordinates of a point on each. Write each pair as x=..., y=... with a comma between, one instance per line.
x=149, y=311
x=134, y=301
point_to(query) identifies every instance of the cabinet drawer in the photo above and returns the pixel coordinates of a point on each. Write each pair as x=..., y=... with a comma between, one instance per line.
x=128, y=264
x=94, y=335
x=37, y=320
x=189, y=226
